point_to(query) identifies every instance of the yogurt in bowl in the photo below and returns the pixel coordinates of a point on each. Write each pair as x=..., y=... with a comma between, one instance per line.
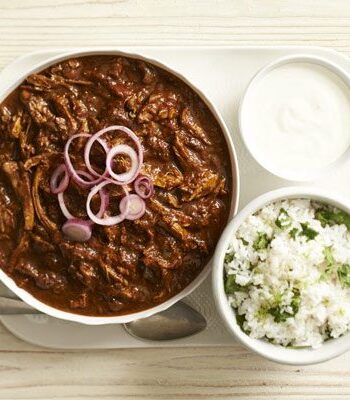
x=295, y=117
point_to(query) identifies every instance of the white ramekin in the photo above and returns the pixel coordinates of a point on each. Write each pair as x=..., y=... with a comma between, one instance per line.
x=306, y=175
x=91, y=320
x=305, y=356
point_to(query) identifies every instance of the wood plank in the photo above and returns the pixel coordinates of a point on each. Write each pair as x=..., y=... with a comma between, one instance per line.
x=166, y=373
x=36, y=24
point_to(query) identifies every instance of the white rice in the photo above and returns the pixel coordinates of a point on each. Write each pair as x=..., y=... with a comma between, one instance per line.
x=288, y=293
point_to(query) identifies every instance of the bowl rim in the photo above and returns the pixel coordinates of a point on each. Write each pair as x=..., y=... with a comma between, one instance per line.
x=261, y=73
x=330, y=349
x=101, y=320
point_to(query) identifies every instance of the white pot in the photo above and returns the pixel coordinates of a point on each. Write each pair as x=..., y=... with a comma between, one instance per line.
x=27, y=297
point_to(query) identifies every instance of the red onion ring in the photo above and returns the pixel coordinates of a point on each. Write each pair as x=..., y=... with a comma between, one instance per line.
x=104, y=198
x=97, y=135
x=77, y=230
x=144, y=187
x=63, y=207
x=137, y=207
x=69, y=164
x=125, y=177
x=62, y=186
x=87, y=151
x=108, y=221
x=131, y=206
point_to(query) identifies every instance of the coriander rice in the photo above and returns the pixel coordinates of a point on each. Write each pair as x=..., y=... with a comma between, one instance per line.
x=287, y=273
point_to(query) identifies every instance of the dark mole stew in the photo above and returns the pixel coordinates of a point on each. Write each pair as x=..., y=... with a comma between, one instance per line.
x=136, y=264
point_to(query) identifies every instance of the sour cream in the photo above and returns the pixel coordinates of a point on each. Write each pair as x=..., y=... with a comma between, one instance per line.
x=295, y=119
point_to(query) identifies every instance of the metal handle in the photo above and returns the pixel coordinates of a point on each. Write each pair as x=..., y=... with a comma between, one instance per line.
x=11, y=306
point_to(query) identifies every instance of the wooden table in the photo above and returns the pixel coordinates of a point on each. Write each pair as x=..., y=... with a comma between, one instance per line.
x=28, y=372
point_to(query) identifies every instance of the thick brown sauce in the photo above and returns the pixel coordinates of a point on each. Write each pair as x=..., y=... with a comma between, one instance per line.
x=134, y=265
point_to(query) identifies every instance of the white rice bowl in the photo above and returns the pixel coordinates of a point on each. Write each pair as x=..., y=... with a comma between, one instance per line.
x=289, y=281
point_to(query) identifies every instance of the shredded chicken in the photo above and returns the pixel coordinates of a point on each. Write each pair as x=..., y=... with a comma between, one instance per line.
x=166, y=177
x=134, y=265
x=20, y=182
x=200, y=184
x=188, y=121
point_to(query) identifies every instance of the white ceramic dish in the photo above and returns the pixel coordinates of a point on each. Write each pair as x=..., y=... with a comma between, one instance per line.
x=307, y=174
x=329, y=349
x=91, y=320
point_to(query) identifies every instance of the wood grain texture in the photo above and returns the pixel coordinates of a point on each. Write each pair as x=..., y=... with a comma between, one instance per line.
x=28, y=372
x=27, y=25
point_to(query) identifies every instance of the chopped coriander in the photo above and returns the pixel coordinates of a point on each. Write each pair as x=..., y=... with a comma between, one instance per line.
x=344, y=275
x=328, y=255
x=278, y=314
x=262, y=242
x=328, y=217
x=325, y=217
x=277, y=311
x=283, y=220
x=244, y=242
x=330, y=263
x=277, y=298
x=327, y=332
x=240, y=320
x=231, y=286
x=229, y=258
x=295, y=303
x=293, y=233
x=308, y=232
x=262, y=312
x=252, y=266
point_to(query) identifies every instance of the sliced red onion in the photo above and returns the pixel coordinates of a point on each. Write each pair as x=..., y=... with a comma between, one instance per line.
x=104, y=198
x=69, y=164
x=144, y=187
x=137, y=207
x=77, y=230
x=97, y=135
x=87, y=151
x=107, y=221
x=56, y=187
x=125, y=177
x=63, y=207
x=85, y=175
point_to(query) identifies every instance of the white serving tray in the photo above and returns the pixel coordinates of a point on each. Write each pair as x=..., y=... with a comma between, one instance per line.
x=222, y=73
